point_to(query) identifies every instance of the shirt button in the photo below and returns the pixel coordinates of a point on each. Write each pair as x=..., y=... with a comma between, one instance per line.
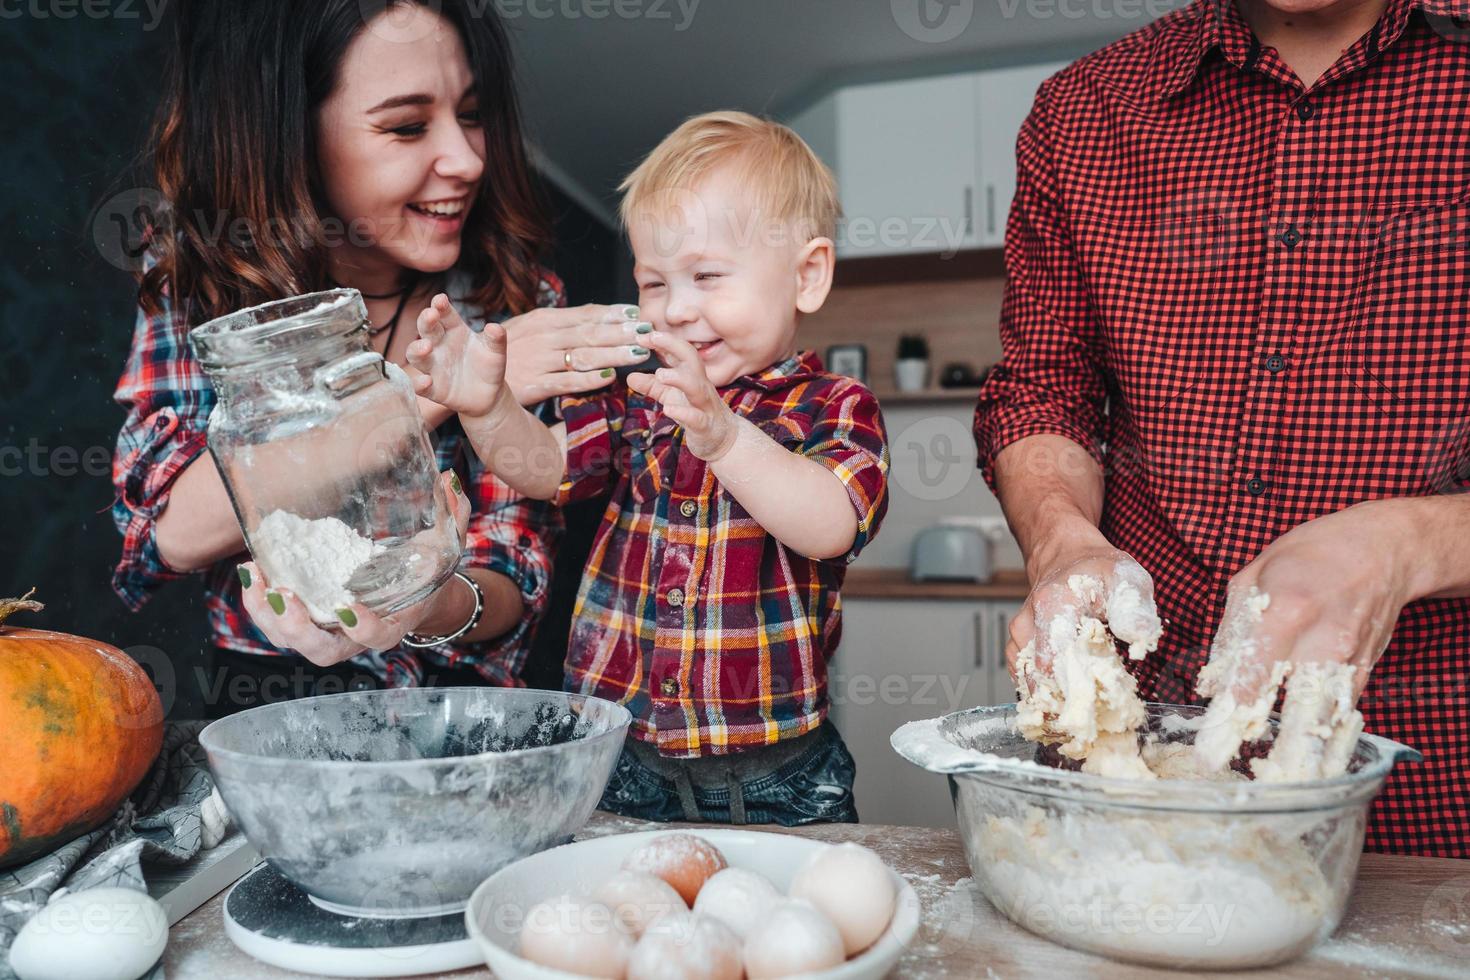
x=1255, y=486
x=688, y=508
x=675, y=597
x=1275, y=364
x=1305, y=110
x=669, y=687
x=1291, y=237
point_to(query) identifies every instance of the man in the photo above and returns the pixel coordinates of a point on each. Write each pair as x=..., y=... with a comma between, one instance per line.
x=1237, y=353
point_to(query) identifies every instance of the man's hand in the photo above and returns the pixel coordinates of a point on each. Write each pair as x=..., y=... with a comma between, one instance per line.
x=1335, y=587
x=462, y=370
x=688, y=397
x=1095, y=580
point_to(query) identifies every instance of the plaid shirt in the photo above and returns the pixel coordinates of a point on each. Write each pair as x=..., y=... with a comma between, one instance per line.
x=1250, y=302
x=713, y=633
x=168, y=400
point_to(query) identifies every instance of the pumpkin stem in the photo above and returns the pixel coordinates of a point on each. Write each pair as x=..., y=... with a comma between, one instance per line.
x=25, y=603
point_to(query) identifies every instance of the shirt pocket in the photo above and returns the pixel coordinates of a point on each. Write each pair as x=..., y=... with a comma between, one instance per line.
x=1408, y=345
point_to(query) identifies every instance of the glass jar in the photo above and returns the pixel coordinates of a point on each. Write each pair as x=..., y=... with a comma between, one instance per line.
x=325, y=456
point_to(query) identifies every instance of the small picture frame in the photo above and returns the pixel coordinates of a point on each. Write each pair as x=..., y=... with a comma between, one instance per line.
x=850, y=360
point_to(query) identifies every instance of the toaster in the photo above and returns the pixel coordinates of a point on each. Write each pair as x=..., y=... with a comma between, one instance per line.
x=955, y=551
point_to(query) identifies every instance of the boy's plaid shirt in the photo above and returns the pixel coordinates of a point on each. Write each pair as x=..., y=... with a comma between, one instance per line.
x=713, y=633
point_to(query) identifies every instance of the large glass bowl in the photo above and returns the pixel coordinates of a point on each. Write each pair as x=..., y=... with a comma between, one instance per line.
x=1190, y=874
x=400, y=802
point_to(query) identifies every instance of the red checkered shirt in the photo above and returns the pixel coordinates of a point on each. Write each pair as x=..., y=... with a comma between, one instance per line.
x=168, y=400
x=1250, y=302
x=713, y=633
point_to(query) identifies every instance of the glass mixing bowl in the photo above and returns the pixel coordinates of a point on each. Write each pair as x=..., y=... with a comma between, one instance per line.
x=1198, y=874
x=400, y=802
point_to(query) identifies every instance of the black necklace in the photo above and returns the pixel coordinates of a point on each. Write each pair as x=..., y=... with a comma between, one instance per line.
x=392, y=325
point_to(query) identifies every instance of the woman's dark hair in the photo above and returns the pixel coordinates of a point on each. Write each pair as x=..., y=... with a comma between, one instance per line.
x=235, y=156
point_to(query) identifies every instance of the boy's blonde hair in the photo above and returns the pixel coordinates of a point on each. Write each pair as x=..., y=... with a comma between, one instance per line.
x=790, y=183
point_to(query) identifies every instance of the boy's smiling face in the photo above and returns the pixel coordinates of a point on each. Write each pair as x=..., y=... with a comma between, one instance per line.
x=717, y=271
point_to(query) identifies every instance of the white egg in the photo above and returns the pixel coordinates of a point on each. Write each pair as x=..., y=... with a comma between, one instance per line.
x=584, y=938
x=850, y=885
x=687, y=947
x=795, y=938
x=738, y=898
x=93, y=934
x=639, y=899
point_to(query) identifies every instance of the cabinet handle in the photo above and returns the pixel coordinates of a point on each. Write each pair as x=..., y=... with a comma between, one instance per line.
x=980, y=639
x=990, y=209
x=969, y=211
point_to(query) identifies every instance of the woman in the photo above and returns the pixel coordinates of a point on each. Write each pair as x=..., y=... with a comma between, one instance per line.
x=302, y=146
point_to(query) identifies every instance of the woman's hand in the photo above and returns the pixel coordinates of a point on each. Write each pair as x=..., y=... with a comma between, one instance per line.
x=686, y=395
x=557, y=351
x=284, y=620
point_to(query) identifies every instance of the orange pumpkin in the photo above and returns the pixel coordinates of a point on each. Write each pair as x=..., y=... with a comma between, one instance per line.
x=80, y=725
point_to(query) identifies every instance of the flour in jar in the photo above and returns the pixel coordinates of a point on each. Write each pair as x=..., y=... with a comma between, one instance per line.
x=313, y=558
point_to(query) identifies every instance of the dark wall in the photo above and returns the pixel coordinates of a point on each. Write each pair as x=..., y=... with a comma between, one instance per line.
x=78, y=94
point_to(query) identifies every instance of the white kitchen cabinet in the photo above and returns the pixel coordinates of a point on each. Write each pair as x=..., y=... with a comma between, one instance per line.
x=906, y=165
x=1003, y=99
x=926, y=164
x=907, y=660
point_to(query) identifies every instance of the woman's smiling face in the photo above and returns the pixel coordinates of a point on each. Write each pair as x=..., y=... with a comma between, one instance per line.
x=400, y=146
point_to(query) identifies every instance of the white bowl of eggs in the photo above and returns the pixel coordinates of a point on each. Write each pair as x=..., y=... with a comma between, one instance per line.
x=696, y=905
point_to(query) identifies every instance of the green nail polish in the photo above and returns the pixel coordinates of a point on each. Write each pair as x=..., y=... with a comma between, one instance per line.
x=458, y=488
x=645, y=328
x=348, y=617
x=244, y=574
x=631, y=312
x=277, y=603
x=639, y=351
x=608, y=372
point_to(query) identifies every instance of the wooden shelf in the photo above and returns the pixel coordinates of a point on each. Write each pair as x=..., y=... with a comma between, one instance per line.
x=894, y=583
x=892, y=397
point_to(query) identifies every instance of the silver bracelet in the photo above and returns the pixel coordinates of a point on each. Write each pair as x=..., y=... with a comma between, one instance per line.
x=418, y=642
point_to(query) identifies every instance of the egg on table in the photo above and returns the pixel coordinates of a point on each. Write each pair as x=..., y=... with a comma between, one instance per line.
x=794, y=938
x=96, y=933
x=683, y=946
x=738, y=898
x=639, y=899
x=683, y=860
x=584, y=938
x=850, y=885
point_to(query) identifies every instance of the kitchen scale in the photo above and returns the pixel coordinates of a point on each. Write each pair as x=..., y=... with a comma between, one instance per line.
x=277, y=923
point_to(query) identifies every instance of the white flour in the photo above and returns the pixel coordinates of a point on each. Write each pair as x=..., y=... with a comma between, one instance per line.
x=312, y=558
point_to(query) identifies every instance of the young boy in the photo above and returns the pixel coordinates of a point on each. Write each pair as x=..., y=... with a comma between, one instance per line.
x=744, y=479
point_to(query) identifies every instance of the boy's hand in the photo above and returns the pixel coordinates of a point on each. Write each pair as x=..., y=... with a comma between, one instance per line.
x=687, y=397
x=460, y=369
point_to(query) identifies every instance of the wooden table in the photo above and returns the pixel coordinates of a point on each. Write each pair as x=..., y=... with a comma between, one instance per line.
x=1409, y=917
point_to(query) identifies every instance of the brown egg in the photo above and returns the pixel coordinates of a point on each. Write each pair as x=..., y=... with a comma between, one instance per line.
x=683, y=860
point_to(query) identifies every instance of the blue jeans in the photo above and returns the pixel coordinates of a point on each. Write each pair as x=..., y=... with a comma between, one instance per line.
x=766, y=785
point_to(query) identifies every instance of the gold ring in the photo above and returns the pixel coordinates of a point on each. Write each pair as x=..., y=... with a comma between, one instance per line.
x=566, y=358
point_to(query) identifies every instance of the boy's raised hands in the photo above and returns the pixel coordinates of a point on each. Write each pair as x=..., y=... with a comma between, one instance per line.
x=462, y=370
x=688, y=397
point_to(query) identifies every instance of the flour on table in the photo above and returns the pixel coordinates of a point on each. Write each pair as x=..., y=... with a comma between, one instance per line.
x=314, y=559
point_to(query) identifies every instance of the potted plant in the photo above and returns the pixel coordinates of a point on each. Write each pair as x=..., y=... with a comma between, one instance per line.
x=911, y=368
